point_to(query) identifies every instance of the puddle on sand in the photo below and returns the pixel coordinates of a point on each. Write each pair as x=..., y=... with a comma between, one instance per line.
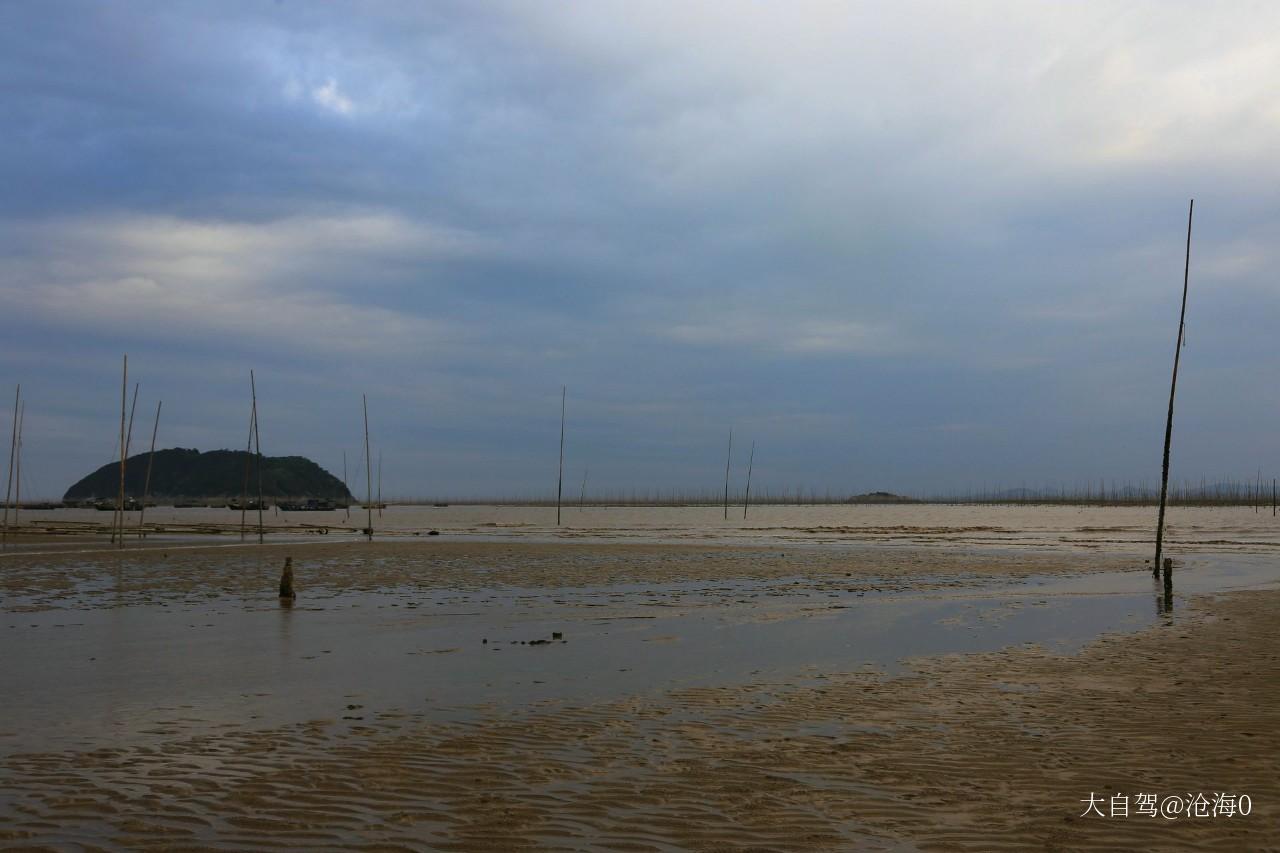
x=81, y=678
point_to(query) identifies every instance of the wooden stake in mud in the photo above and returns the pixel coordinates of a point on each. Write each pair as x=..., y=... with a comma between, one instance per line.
x=257, y=444
x=117, y=520
x=368, y=468
x=746, y=498
x=287, y=591
x=564, y=391
x=727, y=460
x=346, y=509
x=151, y=459
x=13, y=448
x=1168, y=427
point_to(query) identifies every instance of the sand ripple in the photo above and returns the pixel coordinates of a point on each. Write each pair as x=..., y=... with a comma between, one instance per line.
x=978, y=752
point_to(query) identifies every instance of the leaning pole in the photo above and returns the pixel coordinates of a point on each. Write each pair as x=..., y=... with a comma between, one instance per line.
x=1168, y=424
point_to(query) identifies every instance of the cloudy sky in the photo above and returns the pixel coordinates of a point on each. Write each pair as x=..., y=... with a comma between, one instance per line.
x=910, y=246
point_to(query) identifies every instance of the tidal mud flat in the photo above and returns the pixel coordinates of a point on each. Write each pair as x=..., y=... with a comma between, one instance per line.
x=521, y=695
x=1102, y=529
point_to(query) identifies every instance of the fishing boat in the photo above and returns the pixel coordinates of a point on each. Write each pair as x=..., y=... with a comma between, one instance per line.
x=109, y=504
x=308, y=505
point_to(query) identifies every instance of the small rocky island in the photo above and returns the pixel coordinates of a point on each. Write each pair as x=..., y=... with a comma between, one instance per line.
x=881, y=498
x=182, y=477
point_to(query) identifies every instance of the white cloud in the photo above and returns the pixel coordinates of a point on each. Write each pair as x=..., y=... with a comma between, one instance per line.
x=847, y=92
x=793, y=335
x=331, y=99
x=148, y=276
x=183, y=308
x=1247, y=261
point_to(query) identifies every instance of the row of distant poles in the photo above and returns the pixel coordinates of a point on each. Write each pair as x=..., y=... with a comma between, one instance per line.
x=253, y=450
x=255, y=447
x=1159, y=563
x=746, y=500
x=126, y=438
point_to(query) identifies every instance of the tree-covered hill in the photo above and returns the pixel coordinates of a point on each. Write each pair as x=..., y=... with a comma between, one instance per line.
x=190, y=474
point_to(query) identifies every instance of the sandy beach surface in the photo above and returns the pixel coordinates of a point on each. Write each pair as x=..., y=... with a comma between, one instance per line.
x=512, y=695
x=1189, y=529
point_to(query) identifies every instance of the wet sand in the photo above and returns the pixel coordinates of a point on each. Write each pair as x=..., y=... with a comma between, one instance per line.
x=1026, y=527
x=986, y=750
x=191, y=568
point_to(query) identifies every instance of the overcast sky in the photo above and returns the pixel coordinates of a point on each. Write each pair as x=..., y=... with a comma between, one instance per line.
x=911, y=246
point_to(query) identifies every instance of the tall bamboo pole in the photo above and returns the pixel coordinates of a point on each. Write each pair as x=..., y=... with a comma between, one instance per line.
x=248, y=455
x=133, y=409
x=727, y=460
x=146, y=487
x=13, y=448
x=746, y=499
x=368, y=469
x=564, y=391
x=128, y=446
x=346, y=509
x=17, y=471
x=117, y=520
x=257, y=443
x=1173, y=388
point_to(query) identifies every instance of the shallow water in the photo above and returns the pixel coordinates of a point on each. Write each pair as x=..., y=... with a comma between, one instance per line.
x=1098, y=527
x=93, y=674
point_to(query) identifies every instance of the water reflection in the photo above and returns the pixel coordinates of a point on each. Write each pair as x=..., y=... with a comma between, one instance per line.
x=1164, y=602
x=286, y=627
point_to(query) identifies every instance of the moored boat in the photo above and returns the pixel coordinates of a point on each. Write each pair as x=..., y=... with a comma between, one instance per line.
x=308, y=505
x=109, y=504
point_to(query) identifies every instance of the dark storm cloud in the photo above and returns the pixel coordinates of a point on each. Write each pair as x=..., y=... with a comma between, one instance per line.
x=917, y=247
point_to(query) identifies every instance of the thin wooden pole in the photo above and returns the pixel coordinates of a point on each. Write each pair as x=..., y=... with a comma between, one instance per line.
x=379, y=484
x=368, y=470
x=257, y=443
x=118, y=518
x=746, y=498
x=727, y=460
x=13, y=449
x=146, y=488
x=17, y=471
x=346, y=499
x=1173, y=388
x=564, y=392
x=248, y=455
x=582, y=496
x=128, y=446
x=133, y=409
